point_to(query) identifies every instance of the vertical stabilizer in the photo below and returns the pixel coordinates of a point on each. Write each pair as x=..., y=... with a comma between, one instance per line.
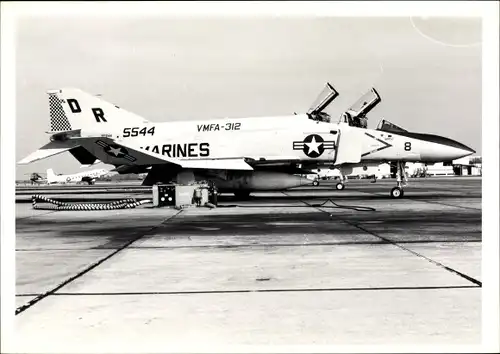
x=73, y=109
x=51, y=176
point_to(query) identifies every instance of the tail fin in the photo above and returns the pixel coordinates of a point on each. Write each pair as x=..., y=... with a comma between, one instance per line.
x=50, y=175
x=72, y=109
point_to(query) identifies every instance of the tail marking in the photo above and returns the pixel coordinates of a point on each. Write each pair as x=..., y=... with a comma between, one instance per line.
x=58, y=119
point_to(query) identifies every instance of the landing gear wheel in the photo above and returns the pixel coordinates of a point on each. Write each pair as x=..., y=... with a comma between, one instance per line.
x=315, y=183
x=397, y=192
x=340, y=186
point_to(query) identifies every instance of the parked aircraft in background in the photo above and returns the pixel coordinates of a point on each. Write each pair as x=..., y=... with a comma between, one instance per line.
x=88, y=177
x=239, y=155
x=375, y=170
x=37, y=178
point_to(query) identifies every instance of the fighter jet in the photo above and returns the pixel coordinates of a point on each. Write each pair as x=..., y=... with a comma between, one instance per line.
x=239, y=155
x=86, y=177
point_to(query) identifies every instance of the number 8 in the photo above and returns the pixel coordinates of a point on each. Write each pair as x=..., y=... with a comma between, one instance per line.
x=407, y=146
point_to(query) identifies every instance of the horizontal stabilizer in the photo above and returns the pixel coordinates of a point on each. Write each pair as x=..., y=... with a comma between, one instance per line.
x=42, y=154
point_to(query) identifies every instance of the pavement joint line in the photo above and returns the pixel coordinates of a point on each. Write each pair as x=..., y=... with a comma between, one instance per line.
x=429, y=202
x=41, y=214
x=239, y=291
x=92, y=266
x=451, y=205
x=312, y=244
x=465, y=276
x=348, y=243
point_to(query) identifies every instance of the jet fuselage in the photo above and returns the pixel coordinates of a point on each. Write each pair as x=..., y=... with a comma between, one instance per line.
x=262, y=138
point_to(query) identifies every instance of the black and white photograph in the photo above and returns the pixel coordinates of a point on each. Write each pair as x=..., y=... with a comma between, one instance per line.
x=249, y=177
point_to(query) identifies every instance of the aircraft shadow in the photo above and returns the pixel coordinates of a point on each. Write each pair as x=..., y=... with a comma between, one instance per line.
x=340, y=228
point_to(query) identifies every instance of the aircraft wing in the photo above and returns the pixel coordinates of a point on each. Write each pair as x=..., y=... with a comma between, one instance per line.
x=90, y=164
x=152, y=158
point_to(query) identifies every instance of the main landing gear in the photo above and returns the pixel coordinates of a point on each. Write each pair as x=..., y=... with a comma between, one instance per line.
x=401, y=181
x=342, y=180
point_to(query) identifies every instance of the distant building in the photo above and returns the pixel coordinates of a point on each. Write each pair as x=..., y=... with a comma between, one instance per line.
x=465, y=166
x=468, y=166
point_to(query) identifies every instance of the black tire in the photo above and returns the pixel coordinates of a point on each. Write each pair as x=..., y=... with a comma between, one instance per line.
x=315, y=183
x=397, y=193
x=340, y=186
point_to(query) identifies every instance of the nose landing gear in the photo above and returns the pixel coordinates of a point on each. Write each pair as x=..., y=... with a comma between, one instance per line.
x=340, y=186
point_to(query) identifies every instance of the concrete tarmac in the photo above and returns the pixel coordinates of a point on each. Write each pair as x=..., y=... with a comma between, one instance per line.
x=303, y=267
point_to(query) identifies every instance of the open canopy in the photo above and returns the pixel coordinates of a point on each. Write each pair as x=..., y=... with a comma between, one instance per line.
x=322, y=101
x=355, y=115
x=365, y=104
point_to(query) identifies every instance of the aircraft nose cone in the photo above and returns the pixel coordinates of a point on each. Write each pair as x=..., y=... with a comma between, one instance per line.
x=445, y=148
x=460, y=149
x=438, y=148
x=469, y=150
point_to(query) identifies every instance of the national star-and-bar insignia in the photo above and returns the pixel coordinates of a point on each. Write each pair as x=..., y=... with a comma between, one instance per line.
x=115, y=150
x=313, y=145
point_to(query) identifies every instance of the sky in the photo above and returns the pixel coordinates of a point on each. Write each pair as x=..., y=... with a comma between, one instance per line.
x=427, y=70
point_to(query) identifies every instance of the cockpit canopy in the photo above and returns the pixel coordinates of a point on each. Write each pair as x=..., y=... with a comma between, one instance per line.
x=365, y=103
x=354, y=116
x=322, y=101
x=386, y=126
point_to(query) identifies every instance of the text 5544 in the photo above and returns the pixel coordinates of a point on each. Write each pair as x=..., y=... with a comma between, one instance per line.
x=136, y=131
